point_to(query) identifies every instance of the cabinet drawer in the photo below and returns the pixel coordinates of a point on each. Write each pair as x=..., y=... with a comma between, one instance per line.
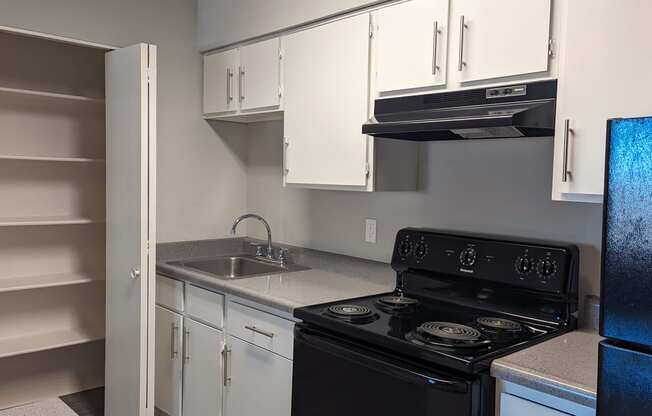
x=261, y=328
x=205, y=306
x=169, y=293
x=515, y=406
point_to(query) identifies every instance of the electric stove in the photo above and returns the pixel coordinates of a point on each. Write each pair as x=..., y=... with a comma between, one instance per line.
x=460, y=301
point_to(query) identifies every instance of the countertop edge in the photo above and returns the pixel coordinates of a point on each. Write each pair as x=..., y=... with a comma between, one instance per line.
x=545, y=384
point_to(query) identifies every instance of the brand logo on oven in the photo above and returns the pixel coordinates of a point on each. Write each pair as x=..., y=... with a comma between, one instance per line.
x=467, y=271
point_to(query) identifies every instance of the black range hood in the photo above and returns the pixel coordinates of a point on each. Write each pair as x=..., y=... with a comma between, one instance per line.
x=519, y=110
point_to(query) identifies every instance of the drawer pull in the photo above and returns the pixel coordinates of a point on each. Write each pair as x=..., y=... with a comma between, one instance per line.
x=259, y=331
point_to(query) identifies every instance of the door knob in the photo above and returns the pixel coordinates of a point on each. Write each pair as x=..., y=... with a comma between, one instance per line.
x=134, y=273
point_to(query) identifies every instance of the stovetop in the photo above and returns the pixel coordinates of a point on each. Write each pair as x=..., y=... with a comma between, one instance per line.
x=454, y=336
x=461, y=301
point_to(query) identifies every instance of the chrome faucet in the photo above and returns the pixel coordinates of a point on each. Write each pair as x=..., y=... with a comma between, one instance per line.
x=267, y=253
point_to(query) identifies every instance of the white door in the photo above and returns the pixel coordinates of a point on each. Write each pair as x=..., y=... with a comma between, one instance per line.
x=220, y=82
x=326, y=100
x=169, y=364
x=260, y=76
x=130, y=230
x=203, y=375
x=604, y=73
x=412, y=41
x=499, y=38
x=260, y=380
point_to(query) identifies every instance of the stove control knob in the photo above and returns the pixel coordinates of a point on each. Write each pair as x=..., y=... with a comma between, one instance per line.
x=468, y=257
x=421, y=250
x=546, y=268
x=404, y=248
x=524, y=265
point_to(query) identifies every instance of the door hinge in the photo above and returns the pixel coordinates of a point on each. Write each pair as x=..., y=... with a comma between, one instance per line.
x=367, y=169
x=371, y=29
x=551, y=47
x=280, y=91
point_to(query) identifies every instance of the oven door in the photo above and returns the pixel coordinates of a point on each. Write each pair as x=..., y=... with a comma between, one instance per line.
x=333, y=377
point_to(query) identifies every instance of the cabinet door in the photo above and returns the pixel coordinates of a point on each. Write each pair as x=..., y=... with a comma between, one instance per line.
x=326, y=71
x=515, y=406
x=169, y=327
x=260, y=379
x=203, y=370
x=259, y=76
x=412, y=42
x=220, y=82
x=503, y=38
x=130, y=230
x=604, y=73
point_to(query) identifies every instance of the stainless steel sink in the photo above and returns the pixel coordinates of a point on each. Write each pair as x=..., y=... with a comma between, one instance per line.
x=237, y=267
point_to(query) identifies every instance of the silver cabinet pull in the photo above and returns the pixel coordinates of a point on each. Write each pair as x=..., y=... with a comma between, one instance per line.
x=435, y=37
x=226, y=353
x=174, y=351
x=186, y=347
x=241, y=75
x=228, y=83
x=134, y=273
x=463, y=26
x=286, y=144
x=567, y=132
x=259, y=331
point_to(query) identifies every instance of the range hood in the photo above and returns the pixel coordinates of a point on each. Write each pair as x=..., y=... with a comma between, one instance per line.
x=519, y=110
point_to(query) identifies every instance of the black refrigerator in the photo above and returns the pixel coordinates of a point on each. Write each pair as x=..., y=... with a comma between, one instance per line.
x=625, y=358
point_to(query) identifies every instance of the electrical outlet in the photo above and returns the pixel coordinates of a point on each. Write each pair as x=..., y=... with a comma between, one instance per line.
x=370, y=230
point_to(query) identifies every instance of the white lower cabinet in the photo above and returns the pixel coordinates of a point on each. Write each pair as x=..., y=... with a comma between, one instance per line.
x=203, y=371
x=169, y=367
x=515, y=406
x=260, y=381
x=200, y=373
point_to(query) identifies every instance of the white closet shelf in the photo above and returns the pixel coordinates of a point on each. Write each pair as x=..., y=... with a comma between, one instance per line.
x=34, y=221
x=52, y=159
x=53, y=95
x=26, y=344
x=13, y=284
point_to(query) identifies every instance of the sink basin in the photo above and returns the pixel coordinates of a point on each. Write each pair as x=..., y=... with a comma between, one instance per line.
x=237, y=267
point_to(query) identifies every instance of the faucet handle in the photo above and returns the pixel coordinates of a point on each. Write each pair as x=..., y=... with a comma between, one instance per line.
x=260, y=250
x=283, y=254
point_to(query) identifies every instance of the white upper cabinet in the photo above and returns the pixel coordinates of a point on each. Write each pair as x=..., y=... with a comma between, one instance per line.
x=604, y=73
x=242, y=82
x=326, y=100
x=220, y=87
x=260, y=75
x=412, y=43
x=495, y=39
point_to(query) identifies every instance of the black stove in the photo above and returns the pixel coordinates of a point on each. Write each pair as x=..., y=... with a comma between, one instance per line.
x=461, y=301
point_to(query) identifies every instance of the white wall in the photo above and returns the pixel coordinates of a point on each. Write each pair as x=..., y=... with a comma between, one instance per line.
x=201, y=178
x=492, y=186
x=226, y=21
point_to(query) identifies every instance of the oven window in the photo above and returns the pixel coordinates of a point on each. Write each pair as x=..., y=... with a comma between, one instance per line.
x=331, y=378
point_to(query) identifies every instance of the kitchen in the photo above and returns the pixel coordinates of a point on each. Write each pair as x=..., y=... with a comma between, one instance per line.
x=257, y=112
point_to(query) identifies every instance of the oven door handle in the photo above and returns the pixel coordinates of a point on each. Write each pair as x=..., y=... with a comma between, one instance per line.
x=377, y=362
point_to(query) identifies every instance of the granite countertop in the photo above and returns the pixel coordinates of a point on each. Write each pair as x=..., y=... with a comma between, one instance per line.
x=565, y=366
x=347, y=278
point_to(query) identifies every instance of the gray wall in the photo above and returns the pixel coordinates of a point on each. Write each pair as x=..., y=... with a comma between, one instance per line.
x=225, y=21
x=201, y=177
x=494, y=186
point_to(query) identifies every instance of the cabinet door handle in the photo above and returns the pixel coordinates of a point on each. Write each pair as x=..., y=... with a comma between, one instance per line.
x=435, y=37
x=174, y=351
x=259, y=331
x=286, y=144
x=241, y=76
x=228, y=83
x=226, y=353
x=463, y=26
x=567, y=131
x=186, y=347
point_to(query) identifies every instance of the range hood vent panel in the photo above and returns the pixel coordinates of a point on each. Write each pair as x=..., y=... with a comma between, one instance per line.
x=523, y=110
